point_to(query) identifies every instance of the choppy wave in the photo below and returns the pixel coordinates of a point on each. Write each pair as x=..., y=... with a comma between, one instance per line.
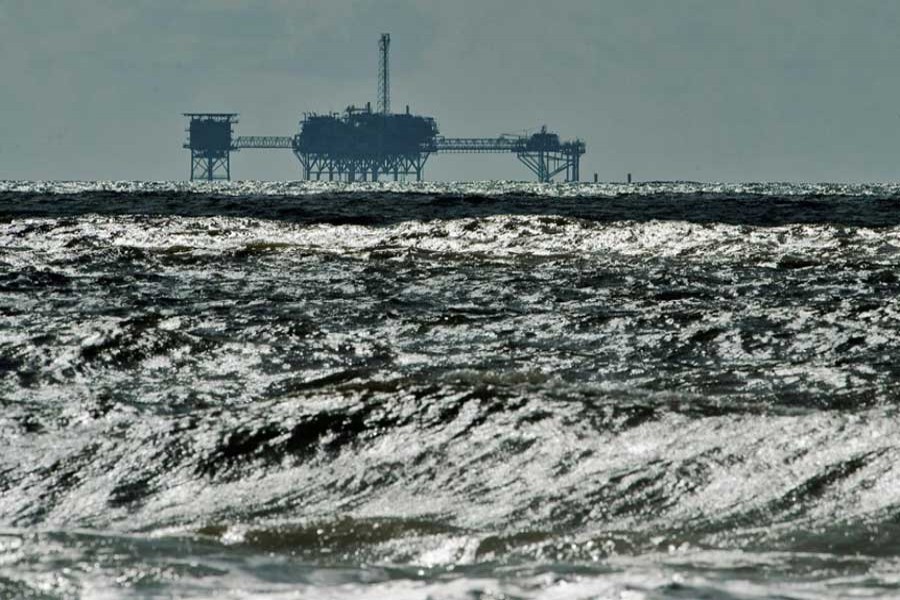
x=292, y=390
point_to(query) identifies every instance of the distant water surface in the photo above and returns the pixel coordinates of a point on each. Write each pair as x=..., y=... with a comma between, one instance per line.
x=498, y=390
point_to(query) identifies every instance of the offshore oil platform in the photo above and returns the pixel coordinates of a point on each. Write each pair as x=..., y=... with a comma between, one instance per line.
x=365, y=145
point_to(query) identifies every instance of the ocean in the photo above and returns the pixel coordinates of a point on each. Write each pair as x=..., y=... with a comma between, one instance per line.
x=475, y=391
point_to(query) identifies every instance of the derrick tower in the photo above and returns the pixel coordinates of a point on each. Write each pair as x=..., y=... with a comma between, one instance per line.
x=384, y=74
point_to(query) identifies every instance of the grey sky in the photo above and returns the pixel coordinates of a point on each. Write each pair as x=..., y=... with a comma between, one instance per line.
x=667, y=89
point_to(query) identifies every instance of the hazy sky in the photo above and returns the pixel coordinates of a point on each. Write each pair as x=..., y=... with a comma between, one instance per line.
x=722, y=90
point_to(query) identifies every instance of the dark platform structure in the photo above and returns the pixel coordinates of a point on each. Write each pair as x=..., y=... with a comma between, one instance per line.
x=543, y=153
x=362, y=145
x=210, y=142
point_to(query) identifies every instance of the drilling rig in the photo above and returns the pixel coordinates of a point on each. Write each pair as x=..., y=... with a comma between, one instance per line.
x=360, y=144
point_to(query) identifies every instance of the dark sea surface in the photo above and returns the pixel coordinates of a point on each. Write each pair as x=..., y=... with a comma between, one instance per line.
x=476, y=391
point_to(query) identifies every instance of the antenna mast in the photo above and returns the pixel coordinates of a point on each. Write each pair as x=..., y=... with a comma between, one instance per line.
x=384, y=74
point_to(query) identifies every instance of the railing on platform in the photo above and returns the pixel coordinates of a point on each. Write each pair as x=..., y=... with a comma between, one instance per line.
x=479, y=145
x=264, y=142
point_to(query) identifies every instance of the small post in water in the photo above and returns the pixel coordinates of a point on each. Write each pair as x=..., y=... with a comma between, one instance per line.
x=595, y=178
x=629, y=178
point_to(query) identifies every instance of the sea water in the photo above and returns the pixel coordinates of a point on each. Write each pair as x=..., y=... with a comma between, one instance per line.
x=498, y=390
